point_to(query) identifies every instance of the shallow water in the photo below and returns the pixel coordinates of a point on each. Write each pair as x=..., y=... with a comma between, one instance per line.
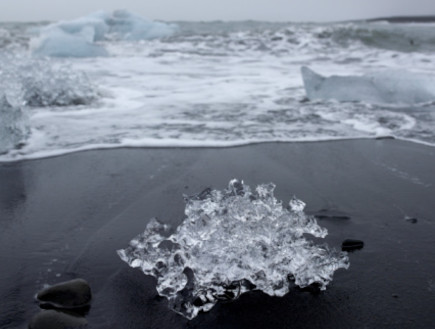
x=212, y=84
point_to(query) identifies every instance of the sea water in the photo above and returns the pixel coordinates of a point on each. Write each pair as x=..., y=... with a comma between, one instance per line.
x=116, y=79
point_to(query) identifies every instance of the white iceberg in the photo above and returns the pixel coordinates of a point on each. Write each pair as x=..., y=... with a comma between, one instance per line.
x=387, y=87
x=231, y=242
x=81, y=37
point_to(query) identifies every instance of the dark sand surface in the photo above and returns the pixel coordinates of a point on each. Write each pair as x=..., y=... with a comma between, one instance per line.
x=405, y=19
x=64, y=217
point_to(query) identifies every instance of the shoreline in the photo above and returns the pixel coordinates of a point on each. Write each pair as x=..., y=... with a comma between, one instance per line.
x=64, y=217
x=170, y=146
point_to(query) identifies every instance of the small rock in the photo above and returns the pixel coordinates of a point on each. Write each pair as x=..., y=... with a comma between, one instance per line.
x=351, y=245
x=412, y=220
x=395, y=296
x=331, y=214
x=71, y=294
x=313, y=288
x=52, y=319
x=385, y=137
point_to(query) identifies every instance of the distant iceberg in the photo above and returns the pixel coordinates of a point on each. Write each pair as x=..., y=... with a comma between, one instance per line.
x=231, y=242
x=80, y=37
x=388, y=87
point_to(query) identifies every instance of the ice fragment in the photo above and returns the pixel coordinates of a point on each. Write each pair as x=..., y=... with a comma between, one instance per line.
x=231, y=242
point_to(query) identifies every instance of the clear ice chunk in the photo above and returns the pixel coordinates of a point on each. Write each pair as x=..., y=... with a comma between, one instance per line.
x=231, y=242
x=14, y=129
x=44, y=86
x=385, y=87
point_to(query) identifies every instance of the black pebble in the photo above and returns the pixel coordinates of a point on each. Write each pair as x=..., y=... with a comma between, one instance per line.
x=412, y=220
x=68, y=295
x=52, y=319
x=350, y=245
x=384, y=137
x=313, y=288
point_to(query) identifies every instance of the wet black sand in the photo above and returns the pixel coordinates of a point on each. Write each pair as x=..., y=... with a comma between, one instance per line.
x=64, y=217
x=404, y=19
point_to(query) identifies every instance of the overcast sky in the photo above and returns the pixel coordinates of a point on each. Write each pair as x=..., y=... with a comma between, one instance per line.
x=271, y=10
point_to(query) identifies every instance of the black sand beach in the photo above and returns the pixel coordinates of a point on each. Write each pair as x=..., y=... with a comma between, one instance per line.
x=64, y=217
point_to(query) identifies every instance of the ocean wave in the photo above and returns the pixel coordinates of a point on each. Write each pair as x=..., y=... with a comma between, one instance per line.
x=286, y=38
x=87, y=35
x=397, y=37
x=217, y=84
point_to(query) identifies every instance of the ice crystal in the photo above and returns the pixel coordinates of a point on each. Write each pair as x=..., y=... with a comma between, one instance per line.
x=231, y=242
x=13, y=126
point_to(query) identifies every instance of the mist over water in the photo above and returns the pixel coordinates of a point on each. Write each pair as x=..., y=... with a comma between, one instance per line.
x=206, y=84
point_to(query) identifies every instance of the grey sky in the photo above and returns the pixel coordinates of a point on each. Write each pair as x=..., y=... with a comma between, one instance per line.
x=272, y=10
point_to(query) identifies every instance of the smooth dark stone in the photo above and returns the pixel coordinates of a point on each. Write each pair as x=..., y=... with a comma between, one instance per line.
x=80, y=311
x=322, y=217
x=350, y=245
x=71, y=294
x=331, y=214
x=52, y=319
x=313, y=288
x=412, y=220
x=384, y=137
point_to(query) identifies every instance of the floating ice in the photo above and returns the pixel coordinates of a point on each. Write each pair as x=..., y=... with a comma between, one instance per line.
x=80, y=37
x=13, y=126
x=37, y=82
x=388, y=87
x=57, y=43
x=49, y=86
x=233, y=241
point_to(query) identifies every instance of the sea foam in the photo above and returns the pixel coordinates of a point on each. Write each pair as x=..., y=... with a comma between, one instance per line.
x=231, y=242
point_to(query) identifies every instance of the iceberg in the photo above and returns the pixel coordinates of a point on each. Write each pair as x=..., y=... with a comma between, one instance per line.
x=13, y=126
x=57, y=43
x=124, y=25
x=231, y=242
x=387, y=87
x=81, y=37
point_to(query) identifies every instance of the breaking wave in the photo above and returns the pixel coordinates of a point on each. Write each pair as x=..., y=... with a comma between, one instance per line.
x=285, y=38
x=381, y=35
x=231, y=242
x=217, y=84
